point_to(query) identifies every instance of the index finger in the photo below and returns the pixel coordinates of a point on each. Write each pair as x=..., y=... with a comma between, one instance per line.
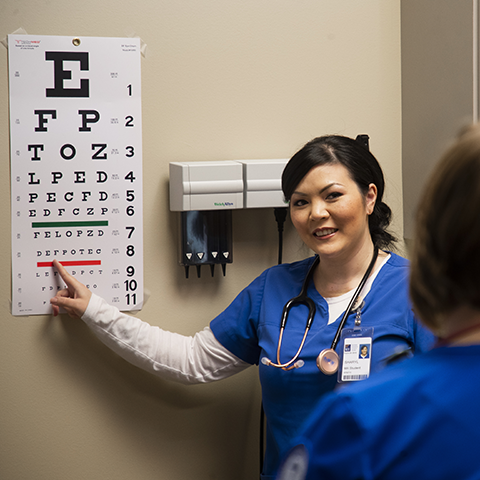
x=66, y=277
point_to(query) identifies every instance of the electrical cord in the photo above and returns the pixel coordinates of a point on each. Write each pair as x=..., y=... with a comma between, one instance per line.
x=280, y=217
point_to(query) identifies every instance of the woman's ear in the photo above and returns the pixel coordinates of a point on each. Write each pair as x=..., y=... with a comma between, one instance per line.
x=371, y=198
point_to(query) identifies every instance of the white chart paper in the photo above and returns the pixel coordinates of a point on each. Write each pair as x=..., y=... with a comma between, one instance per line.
x=76, y=168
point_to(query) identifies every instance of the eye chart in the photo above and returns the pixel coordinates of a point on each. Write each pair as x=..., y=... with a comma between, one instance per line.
x=76, y=168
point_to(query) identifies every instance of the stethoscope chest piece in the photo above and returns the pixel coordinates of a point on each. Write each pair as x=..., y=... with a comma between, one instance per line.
x=328, y=361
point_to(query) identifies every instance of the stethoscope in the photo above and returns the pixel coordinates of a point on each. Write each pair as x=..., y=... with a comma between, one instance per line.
x=328, y=359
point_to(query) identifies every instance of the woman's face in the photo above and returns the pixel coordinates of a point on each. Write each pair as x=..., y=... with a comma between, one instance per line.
x=331, y=214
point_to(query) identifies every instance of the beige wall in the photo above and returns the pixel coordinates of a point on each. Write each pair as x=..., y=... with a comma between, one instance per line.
x=222, y=79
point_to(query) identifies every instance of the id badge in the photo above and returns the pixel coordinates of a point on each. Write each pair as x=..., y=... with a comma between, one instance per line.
x=356, y=354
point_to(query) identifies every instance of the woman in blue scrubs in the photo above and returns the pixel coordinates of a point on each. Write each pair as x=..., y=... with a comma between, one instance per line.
x=334, y=186
x=418, y=419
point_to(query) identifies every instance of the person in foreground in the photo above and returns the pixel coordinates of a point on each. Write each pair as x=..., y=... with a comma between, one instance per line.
x=335, y=187
x=418, y=419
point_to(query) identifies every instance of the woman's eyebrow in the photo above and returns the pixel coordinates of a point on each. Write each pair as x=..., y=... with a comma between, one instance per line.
x=326, y=187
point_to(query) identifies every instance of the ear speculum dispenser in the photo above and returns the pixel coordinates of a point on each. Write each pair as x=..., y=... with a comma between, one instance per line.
x=206, y=239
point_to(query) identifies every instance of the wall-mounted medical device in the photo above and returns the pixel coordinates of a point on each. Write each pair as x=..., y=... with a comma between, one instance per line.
x=206, y=186
x=206, y=193
x=262, y=183
x=206, y=239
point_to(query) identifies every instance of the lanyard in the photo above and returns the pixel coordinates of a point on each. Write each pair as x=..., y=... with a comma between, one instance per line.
x=328, y=360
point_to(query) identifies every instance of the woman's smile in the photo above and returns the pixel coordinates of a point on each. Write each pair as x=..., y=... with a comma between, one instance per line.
x=324, y=232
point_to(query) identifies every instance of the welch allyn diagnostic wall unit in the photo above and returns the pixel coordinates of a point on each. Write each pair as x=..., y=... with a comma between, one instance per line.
x=205, y=186
x=262, y=183
x=206, y=193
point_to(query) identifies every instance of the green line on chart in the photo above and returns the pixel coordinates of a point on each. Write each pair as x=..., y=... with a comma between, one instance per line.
x=94, y=223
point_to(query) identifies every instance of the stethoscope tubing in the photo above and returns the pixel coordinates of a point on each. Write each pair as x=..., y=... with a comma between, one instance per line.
x=302, y=298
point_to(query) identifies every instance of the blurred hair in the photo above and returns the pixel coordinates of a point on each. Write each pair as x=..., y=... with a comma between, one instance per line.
x=446, y=257
x=362, y=166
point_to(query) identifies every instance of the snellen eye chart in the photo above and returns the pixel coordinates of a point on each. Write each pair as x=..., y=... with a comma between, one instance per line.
x=76, y=168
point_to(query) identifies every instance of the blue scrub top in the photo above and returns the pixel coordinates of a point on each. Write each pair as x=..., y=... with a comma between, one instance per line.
x=250, y=327
x=415, y=420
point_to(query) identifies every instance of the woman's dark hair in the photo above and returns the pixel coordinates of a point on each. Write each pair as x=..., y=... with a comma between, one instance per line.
x=363, y=167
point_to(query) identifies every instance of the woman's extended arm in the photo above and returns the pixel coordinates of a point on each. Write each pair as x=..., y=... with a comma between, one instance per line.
x=197, y=359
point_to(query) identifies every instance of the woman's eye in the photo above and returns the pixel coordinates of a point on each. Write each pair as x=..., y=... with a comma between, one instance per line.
x=299, y=203
x=334, y=195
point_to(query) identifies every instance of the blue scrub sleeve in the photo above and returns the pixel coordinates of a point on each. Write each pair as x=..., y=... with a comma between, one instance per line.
x=236, y=327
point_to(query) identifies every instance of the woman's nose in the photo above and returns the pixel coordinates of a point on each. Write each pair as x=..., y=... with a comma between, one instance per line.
x=318, y=210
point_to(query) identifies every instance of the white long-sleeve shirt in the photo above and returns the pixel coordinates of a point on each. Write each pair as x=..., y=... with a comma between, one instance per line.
x=188, y=360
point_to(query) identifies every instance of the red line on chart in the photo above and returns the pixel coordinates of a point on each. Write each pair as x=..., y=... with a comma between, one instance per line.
x=72, y=263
